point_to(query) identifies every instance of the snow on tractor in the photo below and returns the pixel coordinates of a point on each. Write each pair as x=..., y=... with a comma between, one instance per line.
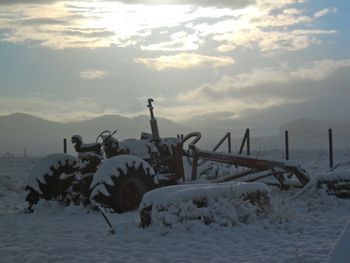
x=116, y=174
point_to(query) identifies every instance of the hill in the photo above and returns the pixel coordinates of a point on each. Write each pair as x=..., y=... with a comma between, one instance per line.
x=21, y=133
x=39, y=136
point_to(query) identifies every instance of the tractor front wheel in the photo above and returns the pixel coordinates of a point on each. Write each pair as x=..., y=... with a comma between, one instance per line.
x=121, y=182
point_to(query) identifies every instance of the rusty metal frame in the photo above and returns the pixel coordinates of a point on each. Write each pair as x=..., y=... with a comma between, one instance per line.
x=256, y=164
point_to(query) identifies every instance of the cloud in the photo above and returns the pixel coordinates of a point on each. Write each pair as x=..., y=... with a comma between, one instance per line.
x=217, y=3
x=268, y=25
x=59, y=25
x=268, y=30
x=320, y=70
x=266, y=93
x=180, y=41
x=261, y=90
x=42, y=21
x=315, y=71
x=158, y=98
x=184, y=61
x=185, y=112
x=93, y=74
x=228, y=84
x=270, y=40
x=292, y=40
x=277, y=4
x=325, y=11
x=52, y=108
x=286, y=17
x=15, y=2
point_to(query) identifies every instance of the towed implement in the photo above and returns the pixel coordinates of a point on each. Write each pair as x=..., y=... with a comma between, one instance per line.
x=116, y=174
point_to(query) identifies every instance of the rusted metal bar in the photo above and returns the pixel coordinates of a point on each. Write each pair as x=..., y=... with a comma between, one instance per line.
x=179, y=162
x=259, y=164
x=153, y=122
x=236, y=176
x=226, y=137
x=246, y=139
x=243, y=143
x=194, y=165
x=259, y=177
x=197, y=136
x=279, y=176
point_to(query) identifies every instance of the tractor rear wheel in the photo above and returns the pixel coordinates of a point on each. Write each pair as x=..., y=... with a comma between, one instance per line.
x=121, y=182
x=51, y=177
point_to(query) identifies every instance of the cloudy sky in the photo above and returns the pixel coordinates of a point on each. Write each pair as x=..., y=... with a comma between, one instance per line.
x=206, y=63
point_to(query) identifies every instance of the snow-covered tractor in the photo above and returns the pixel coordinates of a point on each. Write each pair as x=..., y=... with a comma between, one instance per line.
x=116, y=174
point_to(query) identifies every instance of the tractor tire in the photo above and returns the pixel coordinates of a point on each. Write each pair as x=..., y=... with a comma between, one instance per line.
x=121, y=182
x=51, y=177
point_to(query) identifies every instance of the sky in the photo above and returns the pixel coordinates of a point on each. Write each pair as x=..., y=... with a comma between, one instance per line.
x=205, y=63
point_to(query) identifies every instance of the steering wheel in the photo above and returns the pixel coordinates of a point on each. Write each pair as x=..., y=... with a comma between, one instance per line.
x=107, y=134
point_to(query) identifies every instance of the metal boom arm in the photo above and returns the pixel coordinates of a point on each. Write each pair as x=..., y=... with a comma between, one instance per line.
x=258, y=164
x=153, y=122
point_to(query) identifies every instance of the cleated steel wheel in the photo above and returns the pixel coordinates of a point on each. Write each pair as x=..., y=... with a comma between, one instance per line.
x=51, y=177
x=121, y=182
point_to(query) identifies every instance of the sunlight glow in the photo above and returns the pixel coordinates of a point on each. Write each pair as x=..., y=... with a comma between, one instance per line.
x=139, y=21
x=182, y=27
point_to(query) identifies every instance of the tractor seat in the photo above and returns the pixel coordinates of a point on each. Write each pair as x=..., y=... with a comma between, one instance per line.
x=81, y=147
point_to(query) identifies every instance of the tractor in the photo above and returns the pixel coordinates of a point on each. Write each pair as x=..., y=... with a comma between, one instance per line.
x=116, y=174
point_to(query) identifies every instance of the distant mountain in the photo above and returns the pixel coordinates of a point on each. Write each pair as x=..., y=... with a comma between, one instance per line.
x=22, y=133
x=24, y=126
x=39, y=136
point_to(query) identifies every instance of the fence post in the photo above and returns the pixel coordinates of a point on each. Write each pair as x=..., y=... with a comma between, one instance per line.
x=64, y=145
x=248, y=141
x=330, y=139
x=286, y=137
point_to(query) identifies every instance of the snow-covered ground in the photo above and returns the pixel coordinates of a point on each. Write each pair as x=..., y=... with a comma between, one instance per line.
x=297, y=231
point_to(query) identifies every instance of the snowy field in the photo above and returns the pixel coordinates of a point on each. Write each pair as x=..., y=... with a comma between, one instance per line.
x=296, y=231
